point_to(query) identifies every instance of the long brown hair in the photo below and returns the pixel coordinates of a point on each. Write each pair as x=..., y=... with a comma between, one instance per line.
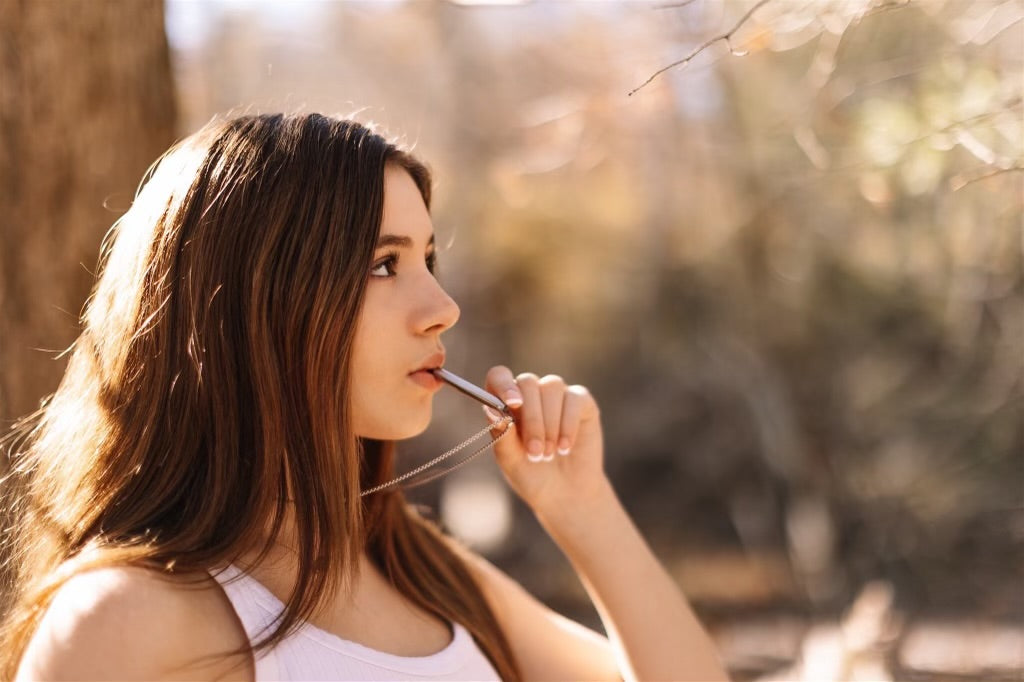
x=213, y=360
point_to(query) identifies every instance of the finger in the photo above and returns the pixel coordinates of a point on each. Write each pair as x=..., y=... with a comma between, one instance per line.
x=552, y=392
x=494, y=417
x=500, y=423
x=576, y=399
x=531, y=416
x=501, y=382
x=492, y=414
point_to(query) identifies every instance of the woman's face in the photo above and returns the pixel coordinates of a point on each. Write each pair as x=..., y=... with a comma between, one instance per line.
x=403, y=316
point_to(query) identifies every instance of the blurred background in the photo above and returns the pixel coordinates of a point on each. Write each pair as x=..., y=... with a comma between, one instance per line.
x=789, y=268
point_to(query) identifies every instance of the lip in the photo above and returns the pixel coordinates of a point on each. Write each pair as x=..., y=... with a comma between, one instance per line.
x=424, y=375
x=433, y=362
x=426, y=379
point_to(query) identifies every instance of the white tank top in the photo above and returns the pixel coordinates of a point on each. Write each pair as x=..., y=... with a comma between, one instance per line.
x=310, y=653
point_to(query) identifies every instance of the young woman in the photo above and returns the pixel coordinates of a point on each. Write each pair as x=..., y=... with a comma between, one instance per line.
x=188, y=502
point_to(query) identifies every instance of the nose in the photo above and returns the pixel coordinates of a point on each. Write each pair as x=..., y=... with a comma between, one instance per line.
x=438, y=311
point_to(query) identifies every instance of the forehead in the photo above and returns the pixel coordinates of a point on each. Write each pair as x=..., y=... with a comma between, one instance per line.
x=405, y=214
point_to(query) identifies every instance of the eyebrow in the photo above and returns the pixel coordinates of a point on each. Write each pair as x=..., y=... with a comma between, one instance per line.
x=398, y=240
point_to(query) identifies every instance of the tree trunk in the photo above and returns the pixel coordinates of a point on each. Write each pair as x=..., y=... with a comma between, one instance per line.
x=86, y=105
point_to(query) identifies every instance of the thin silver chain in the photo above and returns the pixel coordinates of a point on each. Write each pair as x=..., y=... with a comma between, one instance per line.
x=506, y=420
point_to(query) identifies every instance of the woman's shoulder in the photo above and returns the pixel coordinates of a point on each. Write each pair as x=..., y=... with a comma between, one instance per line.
x=128, y=622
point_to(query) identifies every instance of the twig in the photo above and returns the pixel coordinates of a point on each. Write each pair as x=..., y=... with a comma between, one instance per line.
x=885, y=7
x=1008, y=105
x=959, y=182
x=675, y=5
x=706, y=44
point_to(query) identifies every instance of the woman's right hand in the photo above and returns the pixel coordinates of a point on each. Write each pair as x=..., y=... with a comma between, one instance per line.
x=554, y=454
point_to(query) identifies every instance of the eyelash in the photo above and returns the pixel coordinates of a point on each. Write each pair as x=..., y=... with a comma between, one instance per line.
x=390, y=260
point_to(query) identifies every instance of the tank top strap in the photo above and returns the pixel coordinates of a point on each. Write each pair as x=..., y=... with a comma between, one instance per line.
x=257, y=617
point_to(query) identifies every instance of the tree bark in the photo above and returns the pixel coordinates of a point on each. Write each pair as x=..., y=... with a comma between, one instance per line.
x=86, y=105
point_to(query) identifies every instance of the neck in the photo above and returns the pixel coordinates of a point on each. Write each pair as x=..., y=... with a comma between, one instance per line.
x=280, y=565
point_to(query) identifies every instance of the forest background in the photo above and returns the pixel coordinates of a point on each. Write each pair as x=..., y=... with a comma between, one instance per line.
x=789, y=268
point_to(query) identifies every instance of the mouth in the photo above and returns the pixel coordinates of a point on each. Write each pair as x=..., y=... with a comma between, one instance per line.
x=435, y=361
x=426, y=379
x=424, y=376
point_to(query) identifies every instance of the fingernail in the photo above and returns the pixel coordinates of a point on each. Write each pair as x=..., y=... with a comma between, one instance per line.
x=563, y=446
x=512, y=398
x=491, y=414
x=534, y=458
x=535, y=447
x=548, y=457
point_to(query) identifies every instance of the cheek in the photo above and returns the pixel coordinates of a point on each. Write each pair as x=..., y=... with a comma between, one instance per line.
x=367, y=391
x=372, y=345
x=364, y=369
x=373, y=370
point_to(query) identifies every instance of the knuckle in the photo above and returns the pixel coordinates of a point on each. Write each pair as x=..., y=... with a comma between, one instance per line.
x=527, y=378
x=499, y=372
x=578, y=390
x=552, y=380
x=552, y=392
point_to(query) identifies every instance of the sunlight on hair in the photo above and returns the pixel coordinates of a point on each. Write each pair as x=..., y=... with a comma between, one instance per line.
x=477, y=509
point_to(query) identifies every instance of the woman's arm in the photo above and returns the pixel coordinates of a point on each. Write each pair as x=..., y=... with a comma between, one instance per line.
x=547, y=645
x=654, y=633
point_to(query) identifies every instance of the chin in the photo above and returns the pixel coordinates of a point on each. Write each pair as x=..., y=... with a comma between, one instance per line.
x=411, y=427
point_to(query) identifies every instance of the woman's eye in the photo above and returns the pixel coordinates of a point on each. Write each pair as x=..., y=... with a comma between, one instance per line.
x=385, y=268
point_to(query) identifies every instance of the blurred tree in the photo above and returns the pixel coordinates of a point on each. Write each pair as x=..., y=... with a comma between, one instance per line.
x=86, y=103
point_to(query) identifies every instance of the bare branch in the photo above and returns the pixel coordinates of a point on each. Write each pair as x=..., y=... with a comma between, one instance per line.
x=675, y=5
x=885, y=6
x=965, y=123
x=1008, y=105
x=706, y=44
x=958, y=182
x=995, y=35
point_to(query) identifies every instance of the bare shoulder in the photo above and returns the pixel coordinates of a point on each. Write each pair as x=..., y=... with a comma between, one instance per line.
x=123, y=622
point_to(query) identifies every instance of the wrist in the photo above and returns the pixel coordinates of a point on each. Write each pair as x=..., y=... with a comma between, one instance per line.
x=588, y=508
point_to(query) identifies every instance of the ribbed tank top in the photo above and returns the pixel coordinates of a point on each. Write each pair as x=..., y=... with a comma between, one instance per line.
x=310, y=653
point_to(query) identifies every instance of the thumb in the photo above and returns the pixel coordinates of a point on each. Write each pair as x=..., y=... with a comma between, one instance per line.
x=500, y=425
x=491, y=414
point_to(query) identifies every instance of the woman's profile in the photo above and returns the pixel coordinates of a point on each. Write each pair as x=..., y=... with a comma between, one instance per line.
x=188, y=503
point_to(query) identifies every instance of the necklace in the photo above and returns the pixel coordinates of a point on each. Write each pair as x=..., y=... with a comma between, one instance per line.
x=505, y=421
